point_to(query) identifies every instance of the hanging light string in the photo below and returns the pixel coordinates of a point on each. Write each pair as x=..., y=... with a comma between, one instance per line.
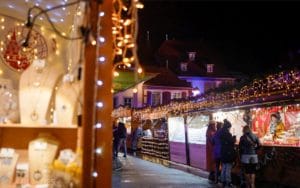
x=125, y=31
x=100, y=59
x=281, y=86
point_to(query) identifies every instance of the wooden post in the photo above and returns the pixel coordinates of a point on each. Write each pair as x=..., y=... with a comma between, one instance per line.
x=102, y=163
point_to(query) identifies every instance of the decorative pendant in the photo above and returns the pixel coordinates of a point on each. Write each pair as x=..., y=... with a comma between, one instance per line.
x=34, y=116
x=37, y=175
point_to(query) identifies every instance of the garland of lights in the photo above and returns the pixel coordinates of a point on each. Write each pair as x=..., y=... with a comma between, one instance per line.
x=125, y=31
x=280, y=85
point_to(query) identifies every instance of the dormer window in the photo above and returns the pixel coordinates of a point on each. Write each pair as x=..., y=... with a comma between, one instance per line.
x=192, y=56
x=183, y=66
x=210, y=68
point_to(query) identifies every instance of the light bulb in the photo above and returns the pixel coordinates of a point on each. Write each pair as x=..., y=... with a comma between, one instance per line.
x=101, y=59
x=101, y=39
x=99, y=83
x=99, y=104
x=135, y=90
x=101, y=14
x=116, y=73
x=140, y=70
x=95, y=174
x=98, y=151
x=98, y=125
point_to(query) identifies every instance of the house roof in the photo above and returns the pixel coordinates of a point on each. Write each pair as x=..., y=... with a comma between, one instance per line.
x=165, y=77
x=175, y=52
x=126, y=79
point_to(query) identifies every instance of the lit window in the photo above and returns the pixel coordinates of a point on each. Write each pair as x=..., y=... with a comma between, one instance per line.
x=155, y=98
x=210, y=68
x=183, y=66
x=127, y=101
x=192, y=56
x=176, y=95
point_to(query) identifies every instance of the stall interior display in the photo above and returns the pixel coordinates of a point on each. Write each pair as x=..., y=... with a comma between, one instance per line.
x=40, y=101
x=235, y=117
x=155, y=140
x=197, y=126
x=277, y=125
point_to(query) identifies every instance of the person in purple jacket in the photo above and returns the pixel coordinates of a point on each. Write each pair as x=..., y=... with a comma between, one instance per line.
x=217, y=150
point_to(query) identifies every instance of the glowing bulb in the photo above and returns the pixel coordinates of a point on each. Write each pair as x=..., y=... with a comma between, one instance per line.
x=101, y=39
x=127, y=22
x=95, y=174
x=61, y=19
x=1, y=71
x=101, y=59
x=63, y=34
x=128, y=64
x=140, y=70
x=1, y=49
x=78, y=13
x=139, y=5
x=112, y=90
x=99, y=83
x=135, y=90
x=2, y=19
x=2, y=27
x=101, y=14
x=98, y=151
x=99, y=104
x=116, y=74
x=98, y=125
x=94, y=42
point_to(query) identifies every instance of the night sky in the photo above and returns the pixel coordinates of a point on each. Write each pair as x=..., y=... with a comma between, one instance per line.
x=253, y=37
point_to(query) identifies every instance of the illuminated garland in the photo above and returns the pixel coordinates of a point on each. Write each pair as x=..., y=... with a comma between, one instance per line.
x=273, y=87
x=125, y=31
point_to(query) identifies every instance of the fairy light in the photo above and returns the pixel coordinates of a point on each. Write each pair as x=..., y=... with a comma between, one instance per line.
x=95, y=174
x=101, y=59
x=101, y=39
x=99, y=82
x=98, y=151
x=98, y=125
x=99, y=104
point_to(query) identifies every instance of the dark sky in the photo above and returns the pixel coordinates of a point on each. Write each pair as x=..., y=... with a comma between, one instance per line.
x=254, y=37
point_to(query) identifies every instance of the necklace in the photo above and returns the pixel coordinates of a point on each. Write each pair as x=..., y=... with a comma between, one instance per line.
x=37, y=83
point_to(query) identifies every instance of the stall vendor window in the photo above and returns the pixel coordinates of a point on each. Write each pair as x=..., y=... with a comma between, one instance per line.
x=176, y=95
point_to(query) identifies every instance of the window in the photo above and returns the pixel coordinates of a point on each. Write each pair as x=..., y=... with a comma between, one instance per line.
x=155, y=98
x=176, y=95
x=127, y=101
x=115, y=102
x=210, y=68
x=192, y=56
x=183, y=66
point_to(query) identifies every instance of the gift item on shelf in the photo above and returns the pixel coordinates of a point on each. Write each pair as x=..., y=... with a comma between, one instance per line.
x=8, y=161
x=22, y=175
x=156, y=147
x=66, y=170
x=36, y=87
x=41, y=154
x=67, y=98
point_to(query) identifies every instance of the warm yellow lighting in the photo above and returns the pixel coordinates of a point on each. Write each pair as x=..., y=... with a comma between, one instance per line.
x=128, y=64
x=63, y=34
x=2, y=27
x=116, y=74
x=1, y=71
x=112, y=90
x=139, y=5
x=94, y=42
x=57, y=52
x=19, y=33
x=1, y=49
x=127, y=22
x=126, y=60
x=79, y=13
x=127, y=36
x=140, y=70
x=134, y=90
x=35, y=50
x=131, y=45
x=2, y=19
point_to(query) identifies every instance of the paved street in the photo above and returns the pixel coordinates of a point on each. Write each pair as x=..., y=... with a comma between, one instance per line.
x=138, y=173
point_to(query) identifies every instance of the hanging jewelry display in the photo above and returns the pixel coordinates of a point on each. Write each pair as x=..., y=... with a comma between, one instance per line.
x=8, y=161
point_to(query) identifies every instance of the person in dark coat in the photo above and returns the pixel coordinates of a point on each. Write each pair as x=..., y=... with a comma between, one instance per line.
x=122, y=135
x=228, y=154
x=136, y=135
x=115, y=140
x=248, y=145
x=211, y=130
x=217, y=150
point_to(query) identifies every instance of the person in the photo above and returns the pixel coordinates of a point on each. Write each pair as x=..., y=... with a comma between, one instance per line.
x=276, y=125
x=248, y=145
x=211, y=130
x=122, y=136
x=217, y=151
x=228, y=154
x=136, y=135
x=115, y=140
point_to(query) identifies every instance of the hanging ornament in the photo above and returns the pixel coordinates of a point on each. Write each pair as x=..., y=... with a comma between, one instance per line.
x=18, y=56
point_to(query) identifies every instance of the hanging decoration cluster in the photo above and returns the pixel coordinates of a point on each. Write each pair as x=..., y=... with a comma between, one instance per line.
x=125, y=31
x=280, y=86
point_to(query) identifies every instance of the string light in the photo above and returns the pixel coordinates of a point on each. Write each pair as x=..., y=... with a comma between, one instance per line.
x=95, y=174
x=99, y=83
x=101, y=59
x=98, y=125
x=284, y=85
x=98, y=151
x=99, y=104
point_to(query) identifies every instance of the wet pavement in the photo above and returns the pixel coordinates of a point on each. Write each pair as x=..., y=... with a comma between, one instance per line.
x=138, y=173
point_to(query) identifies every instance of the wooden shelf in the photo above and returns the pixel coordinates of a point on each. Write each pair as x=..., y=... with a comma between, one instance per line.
x=48, y=126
